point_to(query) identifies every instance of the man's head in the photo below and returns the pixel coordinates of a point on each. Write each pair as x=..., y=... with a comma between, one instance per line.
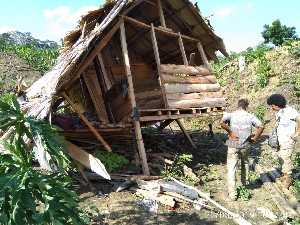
x=276, y=100
x=243, y=103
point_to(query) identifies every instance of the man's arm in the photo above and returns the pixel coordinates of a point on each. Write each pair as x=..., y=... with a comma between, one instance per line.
x=259, y=131
x=229, y=131
x=298, y=128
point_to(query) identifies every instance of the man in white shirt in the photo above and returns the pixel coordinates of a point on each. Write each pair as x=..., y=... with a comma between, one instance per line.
x=288, y=129
x=240, y=136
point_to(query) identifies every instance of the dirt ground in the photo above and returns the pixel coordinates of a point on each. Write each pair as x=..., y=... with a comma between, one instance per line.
x=126, y=208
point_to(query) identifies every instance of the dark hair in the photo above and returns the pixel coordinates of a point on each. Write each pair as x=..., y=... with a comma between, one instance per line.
x=277, y=99
x=243, y=103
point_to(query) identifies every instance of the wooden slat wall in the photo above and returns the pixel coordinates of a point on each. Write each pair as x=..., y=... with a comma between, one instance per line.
x=190, y=86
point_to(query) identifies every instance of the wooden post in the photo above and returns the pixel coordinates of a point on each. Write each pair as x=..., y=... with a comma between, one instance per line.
x=192, y=59
x=157, y=59
x=185, y=61
x=161, y=14
x=137, y=125
x=106, y=146
x=203, y=56
x=187, y=136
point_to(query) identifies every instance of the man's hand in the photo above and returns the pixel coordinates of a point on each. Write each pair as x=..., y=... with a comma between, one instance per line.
x=233, y=137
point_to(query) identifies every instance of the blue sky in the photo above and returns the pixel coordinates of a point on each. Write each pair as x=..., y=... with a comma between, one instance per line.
x=238, y=22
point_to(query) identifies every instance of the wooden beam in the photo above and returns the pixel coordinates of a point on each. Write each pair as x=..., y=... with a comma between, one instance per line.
x=186, y=135
x=161, y=14
x=203, y=56
x=157, y=59
x=192, y=59
x=87, y=159
x=137, y=126
x=162, y=31
x=183, y=69
x=106, y=146
x=194, y=103
x=185, y=62
x=87, y=61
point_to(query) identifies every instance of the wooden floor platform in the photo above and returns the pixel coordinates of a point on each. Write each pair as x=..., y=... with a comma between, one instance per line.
x=166, y=114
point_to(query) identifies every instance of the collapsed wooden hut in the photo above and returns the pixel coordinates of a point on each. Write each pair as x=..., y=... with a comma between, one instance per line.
x=129, y=64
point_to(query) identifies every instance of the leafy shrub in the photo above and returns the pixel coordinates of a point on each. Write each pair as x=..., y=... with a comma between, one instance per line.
x=261, y=113
x=112, y=161
x=243, y=193
x=26, y=195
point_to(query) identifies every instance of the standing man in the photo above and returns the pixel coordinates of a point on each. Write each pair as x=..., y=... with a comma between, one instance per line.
x=239, y=131
x=288, y=129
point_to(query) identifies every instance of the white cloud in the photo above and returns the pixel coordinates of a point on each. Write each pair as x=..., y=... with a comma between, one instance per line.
x=64, y=14
x=224, y=12
x=56, y=31
x=249, y=6
x=62, y=19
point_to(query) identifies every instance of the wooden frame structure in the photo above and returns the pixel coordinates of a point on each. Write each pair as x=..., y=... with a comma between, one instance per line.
x=127, y=64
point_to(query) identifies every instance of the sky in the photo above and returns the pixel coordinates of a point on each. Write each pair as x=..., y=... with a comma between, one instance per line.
x=238, y=22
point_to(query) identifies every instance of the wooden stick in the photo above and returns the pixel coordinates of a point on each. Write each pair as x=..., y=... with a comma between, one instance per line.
x=106, y=146
x=292, y=200
x=186, y=135
x=277, y=196
x=237, y=218
x=84, y=176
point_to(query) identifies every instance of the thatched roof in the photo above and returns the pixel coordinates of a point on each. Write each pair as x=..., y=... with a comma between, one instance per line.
x=181, y=16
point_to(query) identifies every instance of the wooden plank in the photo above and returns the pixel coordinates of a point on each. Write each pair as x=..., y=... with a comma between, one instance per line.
x=183, y=104
x=87, y=159
x=209, y=79
x=108, y=81
x=188, y=88
x=120, y=107
x=106, y=146
x=183, y=69
x=203, y=56
x=94, y=89
x=139, y=137
x=202, y=95
x=185, y=61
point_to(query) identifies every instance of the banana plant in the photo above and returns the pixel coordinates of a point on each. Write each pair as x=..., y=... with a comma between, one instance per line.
x=28, y=196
